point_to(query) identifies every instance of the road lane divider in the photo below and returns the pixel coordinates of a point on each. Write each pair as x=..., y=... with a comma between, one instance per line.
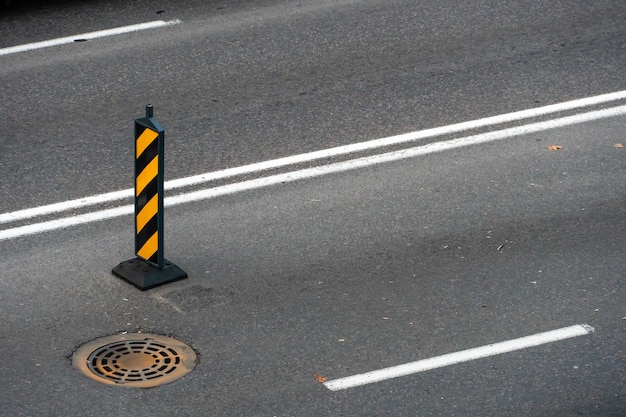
x=88, y=36
x=322, y=170
x=104, y=198
x=149, y=268
x=458, y=357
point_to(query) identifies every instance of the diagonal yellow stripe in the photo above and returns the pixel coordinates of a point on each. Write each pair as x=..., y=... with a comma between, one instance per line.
x=147, y=212
x=150, y=247
x=147, y=175
x=144, y=140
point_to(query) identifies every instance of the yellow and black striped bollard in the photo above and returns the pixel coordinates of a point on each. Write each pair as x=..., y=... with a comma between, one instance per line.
x=149, y=268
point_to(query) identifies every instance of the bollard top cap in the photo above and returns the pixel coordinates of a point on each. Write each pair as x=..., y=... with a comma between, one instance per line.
x=149, y=110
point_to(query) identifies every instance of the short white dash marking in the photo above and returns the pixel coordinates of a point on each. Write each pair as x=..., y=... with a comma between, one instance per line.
x=87, y=36
x=459, y=357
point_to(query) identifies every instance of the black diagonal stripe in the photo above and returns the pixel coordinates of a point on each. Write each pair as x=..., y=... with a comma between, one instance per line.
x=154, y=258
x=148, y=154
x=146, y=195
x=146, y=233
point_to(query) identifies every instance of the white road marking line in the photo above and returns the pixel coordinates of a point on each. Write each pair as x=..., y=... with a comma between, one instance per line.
x=65, y=222
x=86, y=36
x=312, y=156
x=458, y=357
x=318, y=171
x=66, y=206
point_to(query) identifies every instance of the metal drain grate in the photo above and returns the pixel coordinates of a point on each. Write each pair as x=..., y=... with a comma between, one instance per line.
x=135, y=360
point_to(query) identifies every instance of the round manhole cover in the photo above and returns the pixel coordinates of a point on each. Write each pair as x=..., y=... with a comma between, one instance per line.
x=139, y=360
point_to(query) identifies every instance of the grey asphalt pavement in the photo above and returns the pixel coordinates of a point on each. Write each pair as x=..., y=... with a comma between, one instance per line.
x=334, y=275
x=236, y=84
x=344, y=274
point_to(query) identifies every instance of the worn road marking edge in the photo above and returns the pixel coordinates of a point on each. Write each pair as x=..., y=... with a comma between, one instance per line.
x=458, y=357
x=87, y=36
x=312, y=156
x=319, y=171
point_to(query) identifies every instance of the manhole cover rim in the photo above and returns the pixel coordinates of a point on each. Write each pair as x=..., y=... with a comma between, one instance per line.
x=81, y=358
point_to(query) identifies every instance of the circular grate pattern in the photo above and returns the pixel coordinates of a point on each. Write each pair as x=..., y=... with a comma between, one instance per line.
x=132, y=361
x=135, y=360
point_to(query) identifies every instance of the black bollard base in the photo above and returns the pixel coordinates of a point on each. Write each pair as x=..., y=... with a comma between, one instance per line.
x=145, y=275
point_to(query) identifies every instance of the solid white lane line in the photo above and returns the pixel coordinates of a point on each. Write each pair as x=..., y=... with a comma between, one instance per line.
x=66, y=206
x=87, y=36
x=65, y=222
x=459, y=357
x=391, y=156
x=320, y=171
x=312, y=156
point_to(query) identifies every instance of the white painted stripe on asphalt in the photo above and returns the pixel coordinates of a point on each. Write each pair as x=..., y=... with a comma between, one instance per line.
x=391, y=156
x=321, y=170
x=87, y=36
x=66, y=206
x=66, y=222
x=312, y=156
x=318, y=171
x=458, y=357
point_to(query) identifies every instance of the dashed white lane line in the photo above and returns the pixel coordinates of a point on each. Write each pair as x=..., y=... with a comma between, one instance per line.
x=87, y=36
x=458, y=357
x=319, y=171
x=316, y=155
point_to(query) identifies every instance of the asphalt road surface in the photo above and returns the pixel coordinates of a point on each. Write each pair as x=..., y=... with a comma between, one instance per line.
x=315, y=251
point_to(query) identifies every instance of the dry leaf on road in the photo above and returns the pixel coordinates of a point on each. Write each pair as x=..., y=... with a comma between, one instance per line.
x=555, y=147
x=319, y=378
x=619, y=146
